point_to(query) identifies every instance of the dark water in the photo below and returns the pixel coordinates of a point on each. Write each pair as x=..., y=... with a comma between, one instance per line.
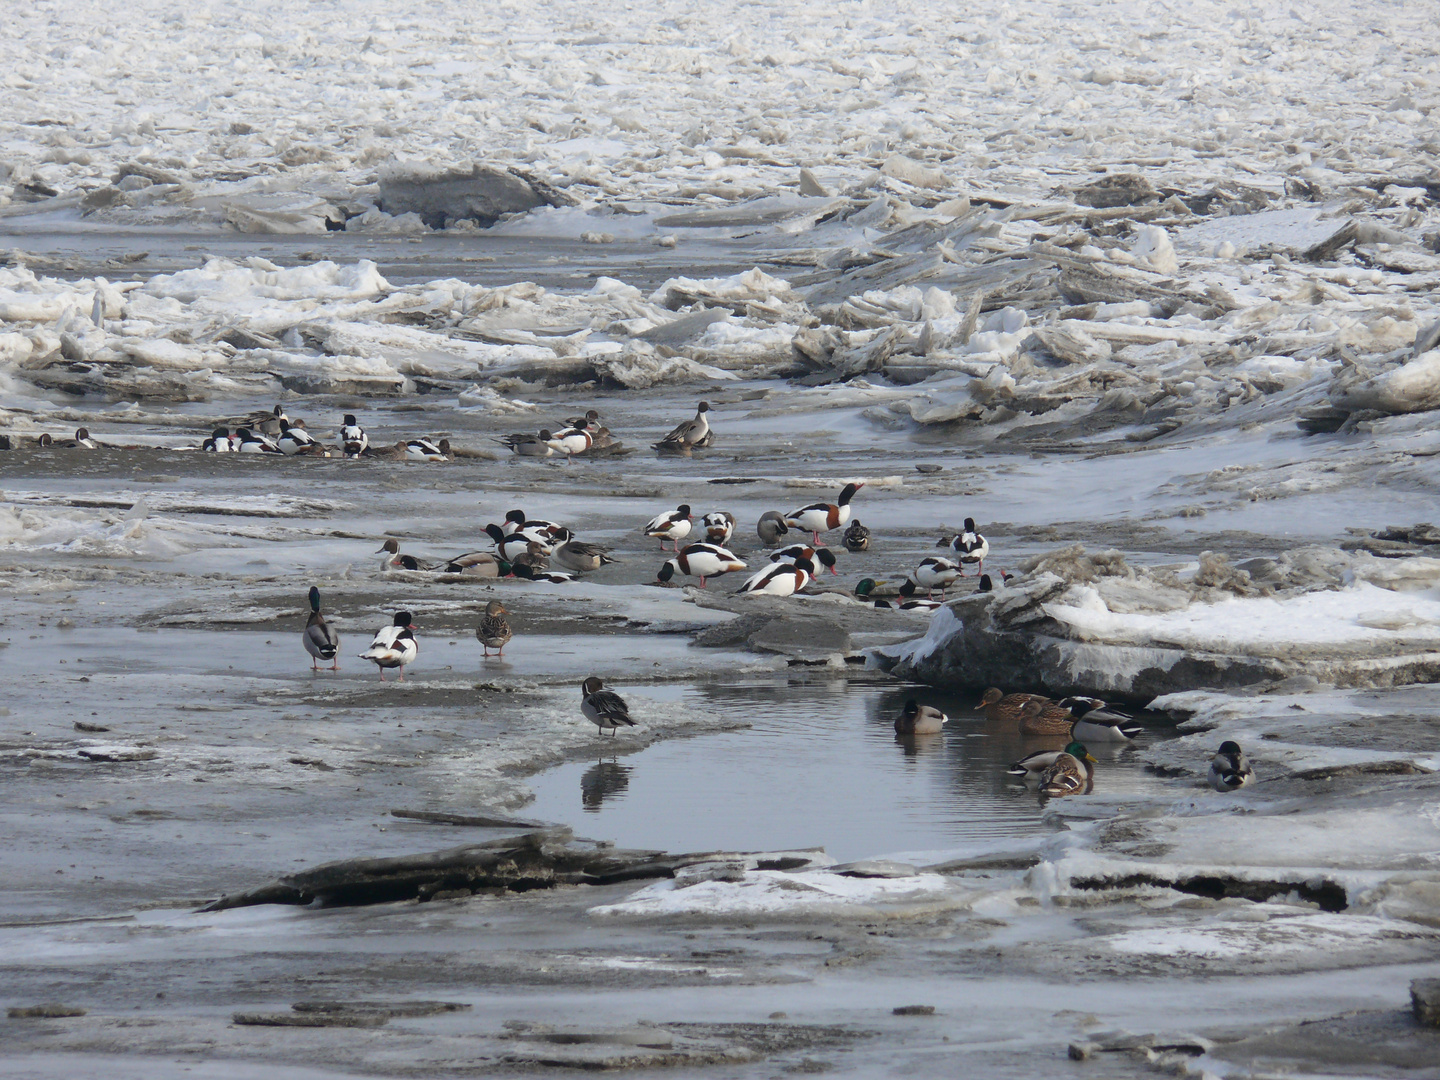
x=820, y=765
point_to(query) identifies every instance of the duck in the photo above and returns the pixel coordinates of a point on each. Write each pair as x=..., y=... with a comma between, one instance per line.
x=1038, y=716
x=422, y=449
x=870, y=589
x=534, y=557
x=1095, y=721
x=1229, y=769
x=581, y=557
x=294, y=440
x=934, y=573
x=690, y=434
x=719, y=526
x=1032, y=766
x=599, y=434
x=781, y=579
x=673, y=526
x=44, y=439
x=771, y=527
x=822, y=517
x=266, y=423
x=394, y=646
x=399, y=451
x=537, y=529
x=218, y=442
x=321, y=640
x=516, y=544
x=552, y=577
x=527, y=445
x=603, y=708
x=81, y=441
x=857, y=537
x=247, y=442
x=1071, y=773
x=571, y=441
x=353, y=439
x=917, y=719
x=395, y=561
x=824, y=556
x=482, y=564
x=969, y=545
x=906, y=600
x=493, y=631
x=997, y=705
x=702, y=561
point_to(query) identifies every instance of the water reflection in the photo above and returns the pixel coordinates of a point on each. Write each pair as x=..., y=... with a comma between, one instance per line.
x=601, y=781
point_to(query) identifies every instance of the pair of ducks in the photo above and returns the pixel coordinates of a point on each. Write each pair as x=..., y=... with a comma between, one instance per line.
x=394, y=646
x=938, y=572
x=81, y=441
x=580, y=433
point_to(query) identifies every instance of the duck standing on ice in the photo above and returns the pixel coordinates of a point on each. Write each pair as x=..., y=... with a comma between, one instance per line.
x=321, y=640
x=1229, y=769
x=690, y=434
x=494, y=632
x=394, y=646
x=822, y=517
x=673, y=526
x=702, y=561
x=970, y=546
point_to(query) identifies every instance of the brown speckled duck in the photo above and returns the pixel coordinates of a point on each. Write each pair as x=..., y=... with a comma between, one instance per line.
x=1001, y=706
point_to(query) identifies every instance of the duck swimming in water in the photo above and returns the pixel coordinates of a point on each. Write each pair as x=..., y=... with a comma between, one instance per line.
x=917, y=719
x=1071, y=773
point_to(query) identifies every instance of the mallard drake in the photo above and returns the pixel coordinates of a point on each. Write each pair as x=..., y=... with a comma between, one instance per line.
x=1229, y=769
x=822, y=517
x=1000, y=706
x=917, y=719
x=482, y=564
x=1032, y=766
x=603, y=708
x=247, y=442
x=969, y=545
x=782, y=579
x=511, y=547
x=81, y=441
x=572, y=441
x=673, y=526
x=581, y=557
x=493, y=631
x=690, y=434
x=353, y=439
x=539, y=530
x=870, y=589
x=394, y=646
x=824, y=556
x=1071, y=773
x=552, y=577
x=218, y=442
x=857, y=537
x=395, y=561
x=935, y=573
x=719, y=526
x=1095, y=721
x=294, y=440
x=771, y=527
x=527, y=445
x=702, y=561
x=321, y=640
x=424, y=450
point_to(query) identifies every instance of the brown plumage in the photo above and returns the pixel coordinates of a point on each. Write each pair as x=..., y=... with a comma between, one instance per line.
x=1047, y=719
x=493, y=631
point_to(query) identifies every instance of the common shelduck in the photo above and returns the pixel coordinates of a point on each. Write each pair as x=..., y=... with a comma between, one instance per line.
x=247, y=442
x=294, y=440
x=673, y=526
x=702, y=561
x=824, y=556
x=822, y=517
x=394, y=646
x=422, y=449
x=969, y=545
x=719, y=526
x=551, y=577
x=572, y=441
x=934, y=573
x=218, y=442
x=353, y=439
x=513, y=546
x=782, y=579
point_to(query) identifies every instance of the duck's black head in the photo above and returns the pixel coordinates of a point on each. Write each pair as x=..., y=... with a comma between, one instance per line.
x=805, y=564
x=404, y=618
x=683, y=508
x=82, y=433
x=912, y=707
x=243, y=433
x=350, y=420
x=704, y=407
x=848, y=493
x=494, y=532
x=986, y=585
x=314, y=599
x=666, y=572
x=523, y=570
x=907, y=589
x=594, y=684
x=882, y=604
x=279, y=411
x=1230, y=749
x=826, y=557
x=220, y=433
x=969, y=524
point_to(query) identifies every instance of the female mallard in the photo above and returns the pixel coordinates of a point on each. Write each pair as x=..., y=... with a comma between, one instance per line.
x=1000, y=706
x=1096, y=721
x=321, y=641
x=493, y=631
x=673, y=526
x=1072, y=773
x=1042, y=717
x=603, y=708
x=917, y=719
x=394, y=646
x=1229, y=769
x=822, y=517
x=702, y=561
x=857, y=537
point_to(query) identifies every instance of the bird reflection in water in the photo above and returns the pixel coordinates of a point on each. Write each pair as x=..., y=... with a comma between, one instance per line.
x=601, y=781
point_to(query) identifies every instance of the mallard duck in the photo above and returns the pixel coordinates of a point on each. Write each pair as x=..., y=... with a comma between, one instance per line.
x=218, y=442
x=572, y=441
x=399, y=451
x=1000, y=706
x=552, y=577
x=969, y=545
x=425, y=450
x=719, y=526
x=673, y=526
x=527, y=445
x=535, y=557
x=538, y=529
x=917, y=719
x=321, y=640
x=935, y=573
x=394, y=646
x=353, y=439
x=294, y=440
x=603, y=708
x=782, y=579
x=771, y=527
x=702, y=561
x=482, y=564
x=493, y=631
x=1037, y=719
x=822, y=517
x=581, y=557
x=1229, y=769
x=1095, y=721
x=247, y=442
x=395, y=561
x=690, y=434
x=1032, y=766
x=870, y=589
x=857, y=537
x=511, y=547
x=81, y=441
x=1071, y=773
